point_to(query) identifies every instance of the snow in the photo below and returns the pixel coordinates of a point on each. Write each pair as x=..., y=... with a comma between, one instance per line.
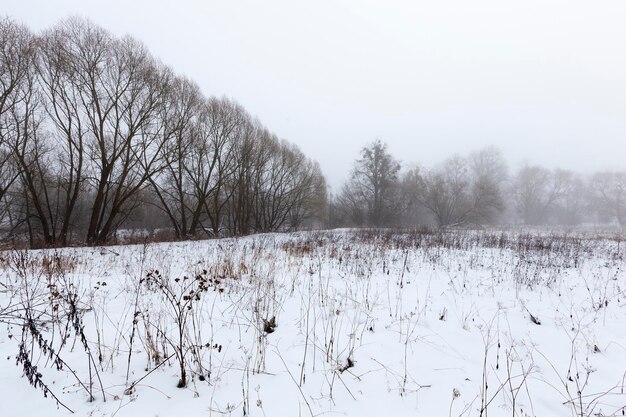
x=369, y=323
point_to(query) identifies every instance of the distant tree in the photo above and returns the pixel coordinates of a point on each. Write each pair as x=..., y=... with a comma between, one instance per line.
x=307, y=194
x=609, y=188
x=489, y=174
x=575, y=202
x=411, y=188
x=371, y=195
x=445, y=192
x=351, y=205
x=465, y=190
x=537, y=191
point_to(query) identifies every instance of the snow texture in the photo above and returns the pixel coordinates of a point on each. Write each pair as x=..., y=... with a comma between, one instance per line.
x=338, y=323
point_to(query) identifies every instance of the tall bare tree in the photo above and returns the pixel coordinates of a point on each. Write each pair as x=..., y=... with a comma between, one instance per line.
x=66, y=127
x=228, y=123
x=23, y=135
x=180, y=113
x=249, y=157
x=16, y=58
x=118, y=86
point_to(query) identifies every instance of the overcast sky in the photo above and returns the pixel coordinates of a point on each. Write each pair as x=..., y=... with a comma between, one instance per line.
x=544, y=80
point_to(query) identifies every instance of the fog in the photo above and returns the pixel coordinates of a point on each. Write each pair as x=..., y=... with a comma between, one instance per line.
x=544, y=81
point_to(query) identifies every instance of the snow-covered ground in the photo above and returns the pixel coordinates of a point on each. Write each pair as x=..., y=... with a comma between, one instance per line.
x=339, y=323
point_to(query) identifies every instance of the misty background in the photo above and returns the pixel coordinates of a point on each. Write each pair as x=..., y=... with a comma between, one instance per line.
x=544, y=81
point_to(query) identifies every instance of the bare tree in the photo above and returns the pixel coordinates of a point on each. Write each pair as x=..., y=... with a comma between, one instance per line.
x=489, y=174
x=445, y=192
x=573, y=206
x=66, y=129
x=200, y=159
x=27, y=144
x=180, y=113
x=289, y=189
x=119, y=87
x=228, y=124
x=464, y=190
x=310, y=198
x=16, y=56
x=610, y=191
x=351, y=204
x=242, y=184
x=411, y=187
x=273, y=186
x=536, y=191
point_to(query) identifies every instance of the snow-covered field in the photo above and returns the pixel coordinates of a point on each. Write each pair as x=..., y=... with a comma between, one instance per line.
x=339, y=323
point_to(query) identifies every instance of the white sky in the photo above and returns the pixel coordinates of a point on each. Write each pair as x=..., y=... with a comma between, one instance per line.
x=543, y=80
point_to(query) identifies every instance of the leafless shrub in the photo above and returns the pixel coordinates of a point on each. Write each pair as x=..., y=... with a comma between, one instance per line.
x=180, y=297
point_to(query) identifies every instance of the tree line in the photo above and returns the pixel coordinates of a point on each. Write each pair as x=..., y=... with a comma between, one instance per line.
x=97, y=135
x=477, y=189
